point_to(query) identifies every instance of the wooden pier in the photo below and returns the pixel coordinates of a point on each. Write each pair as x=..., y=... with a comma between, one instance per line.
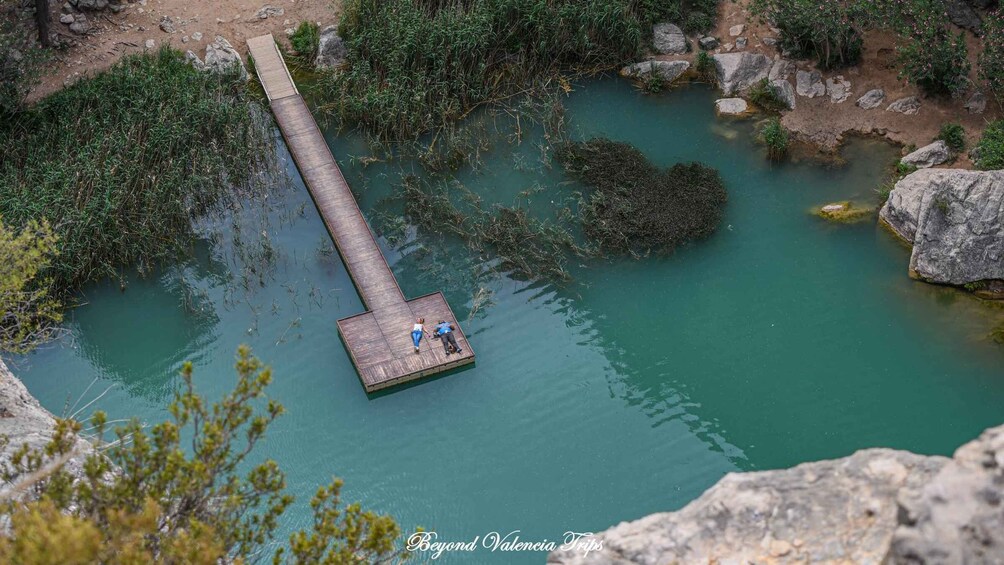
x=378, y=340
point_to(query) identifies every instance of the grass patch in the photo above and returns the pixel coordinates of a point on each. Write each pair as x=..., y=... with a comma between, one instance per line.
x=763, y=95
x=414, y=66
x=633, y=206
x=954, y=136
x=990, y=149
x=121, y=164
x=305, y=41
x=776, y=138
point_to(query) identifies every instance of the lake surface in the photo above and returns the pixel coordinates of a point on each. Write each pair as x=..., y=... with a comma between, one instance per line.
x=779, y=340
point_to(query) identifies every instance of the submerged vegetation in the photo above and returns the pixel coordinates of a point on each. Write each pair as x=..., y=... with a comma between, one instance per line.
x=121, y=164
x=632, y=206
x=176, y=492
x=415, y=66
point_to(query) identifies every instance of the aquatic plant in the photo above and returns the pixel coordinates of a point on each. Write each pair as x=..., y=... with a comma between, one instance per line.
x=954, y=136
x=990, y=150
x=523, y=246
x=632, y=206
x=305, y=40
x=121, y=164
x=844, y=212
x=415, y=66
x=775, y=137
x=705, y=67
x=176, y=492
x=763, y=95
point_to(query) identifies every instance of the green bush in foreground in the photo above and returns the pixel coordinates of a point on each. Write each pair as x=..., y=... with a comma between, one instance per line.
x=175, y=493
x=416, y=66
x=775, y=137
x=28, y=314
x=954, y=136
x=633, y=206
x=122, y=163
x=990, y=149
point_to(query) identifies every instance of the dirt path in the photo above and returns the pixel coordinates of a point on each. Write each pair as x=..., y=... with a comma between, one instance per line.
x=112, y=35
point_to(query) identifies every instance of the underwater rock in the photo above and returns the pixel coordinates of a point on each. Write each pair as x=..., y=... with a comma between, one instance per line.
x=844, y=212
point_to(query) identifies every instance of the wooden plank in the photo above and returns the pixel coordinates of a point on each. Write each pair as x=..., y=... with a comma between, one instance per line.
x=379, y=341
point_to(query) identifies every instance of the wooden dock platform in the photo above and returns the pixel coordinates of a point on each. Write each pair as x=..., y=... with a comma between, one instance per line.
x=379, y=340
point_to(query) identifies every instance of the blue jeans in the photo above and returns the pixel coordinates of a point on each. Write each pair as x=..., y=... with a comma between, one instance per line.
x=416, y=336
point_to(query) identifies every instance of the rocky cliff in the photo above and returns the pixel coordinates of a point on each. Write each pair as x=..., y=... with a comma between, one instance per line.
x=22, y=418
x=876, y=506
x=955, y=221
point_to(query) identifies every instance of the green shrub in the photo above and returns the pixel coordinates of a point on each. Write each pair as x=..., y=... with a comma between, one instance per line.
x=305, y=41
x=19, y=66
x=826, y=31
x=704, y=65
x=763, y=95
x=633, y=206
x=121, y=164
x=954, y=136
x=416, y=66
x=936, y=60
x=990, y=149
x=698, y=22
x=775, y=137
x=991, y=60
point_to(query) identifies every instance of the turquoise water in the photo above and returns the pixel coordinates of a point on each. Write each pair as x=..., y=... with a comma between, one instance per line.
x=779, y=340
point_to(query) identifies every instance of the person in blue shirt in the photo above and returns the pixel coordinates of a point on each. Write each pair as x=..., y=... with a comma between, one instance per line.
x=444, y=330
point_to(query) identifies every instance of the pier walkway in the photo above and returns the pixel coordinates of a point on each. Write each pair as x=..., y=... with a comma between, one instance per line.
x=378, y=340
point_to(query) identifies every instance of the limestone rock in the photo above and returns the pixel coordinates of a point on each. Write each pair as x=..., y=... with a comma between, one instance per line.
x=957, y=517
x=909, y=106
x=66, y=19
x=668, y=38
x=708, y=43
x=167, y=24
x=739, y=71
x=267, y=11
x=737, y=30
x=784, y=92
x=667, y=70
x=331, y=51
x=194, y=60
x=781, y=70
x=809, y=84
x=838, y=88
x=955, y=221
x=80, y=25
x=977, y=103
x=929, y=155
x=150, y=44
x=23, y=420
x=962, y=14
x=872, y=99
x=731, y=106
x=221, y=57
x=197, y=36
x=839, y=511
x=741, y=43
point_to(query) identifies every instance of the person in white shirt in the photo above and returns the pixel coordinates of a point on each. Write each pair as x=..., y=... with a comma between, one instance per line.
x=417, y=332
